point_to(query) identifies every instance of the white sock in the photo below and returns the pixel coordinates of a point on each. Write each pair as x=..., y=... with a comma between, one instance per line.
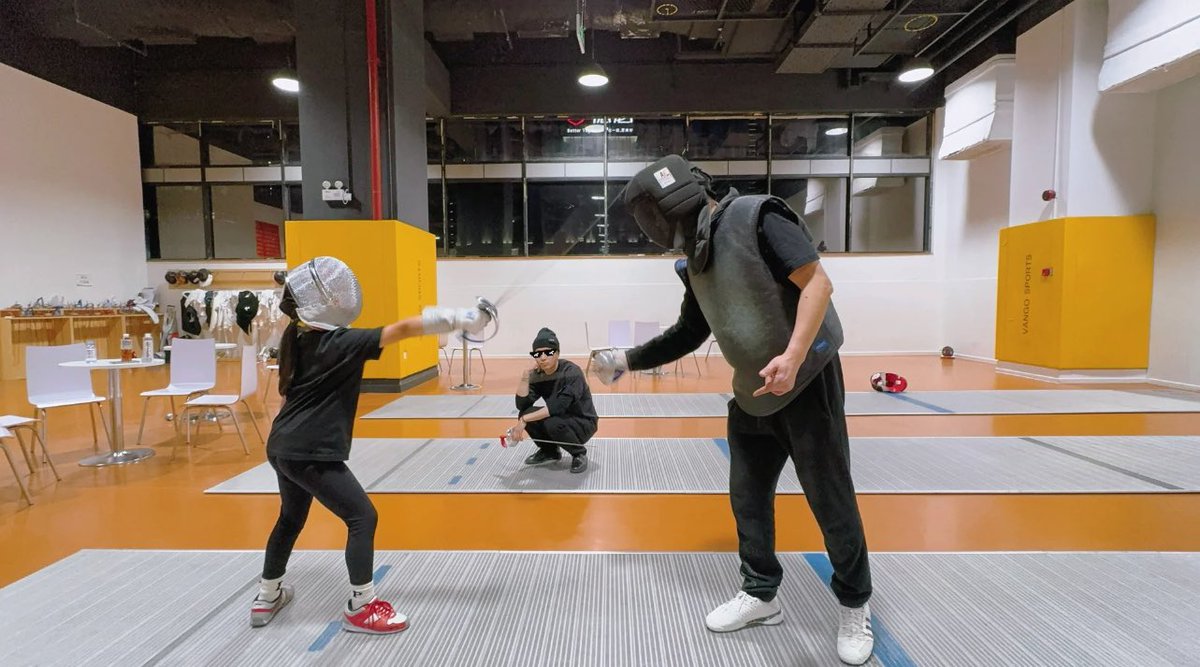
x=268, y=589
x=361, y=595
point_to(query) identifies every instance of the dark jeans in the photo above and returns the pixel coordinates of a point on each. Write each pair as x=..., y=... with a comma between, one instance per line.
x=335, y=487
x=811, y=430
x=561, y=429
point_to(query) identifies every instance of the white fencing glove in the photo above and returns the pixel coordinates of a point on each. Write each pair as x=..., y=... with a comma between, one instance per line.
x=435, y=320
x=609, y=365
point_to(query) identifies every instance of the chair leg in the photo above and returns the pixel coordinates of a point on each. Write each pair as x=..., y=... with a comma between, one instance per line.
x=142, y=426
x=450, y=364
x=175, y=413
x=104, y=424
x=697, y=360
x=27, y=454
x=42, y=423
x=481, y=361
x=253, y=420
x=95, y=436
x=16, y=474
x=45, y=453
x=238, y=427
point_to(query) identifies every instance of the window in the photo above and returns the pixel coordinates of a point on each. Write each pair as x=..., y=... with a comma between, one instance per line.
x=477, y=141
x=433, y=142
x=887, y=214
x=821, y=202
x=754, y=185
x=485, y=218
x=291, y=143
x=727, y=139
x=295, y=202
x=174, y=221
x=172, y=144
x=809, y=136
x=242, y=143
x=647, y=139
x=891, y=136
x=247, y=221
x=566, y=218
x=437, y=216
x=565, y=139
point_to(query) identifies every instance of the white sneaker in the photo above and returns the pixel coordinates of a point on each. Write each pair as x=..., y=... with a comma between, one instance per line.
x=262, y=611
x=742, y=611
x=856, y=641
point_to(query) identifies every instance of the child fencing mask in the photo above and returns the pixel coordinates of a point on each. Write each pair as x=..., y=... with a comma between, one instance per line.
x=326, y=292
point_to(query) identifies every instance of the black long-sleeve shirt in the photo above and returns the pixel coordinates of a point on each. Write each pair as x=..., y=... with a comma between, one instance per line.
x=785, y=247
x=565, y=392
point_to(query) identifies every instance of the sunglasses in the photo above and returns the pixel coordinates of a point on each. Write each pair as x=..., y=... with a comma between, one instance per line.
x=537, y=354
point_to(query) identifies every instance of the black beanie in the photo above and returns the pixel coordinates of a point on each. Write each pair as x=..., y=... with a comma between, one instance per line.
x=545, y=338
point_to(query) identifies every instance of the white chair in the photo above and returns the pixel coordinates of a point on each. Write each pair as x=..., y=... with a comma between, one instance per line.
x=272, y=371
x=49, y=386
x=592, y=349
x=249, y=387
x=15, y=425
x=472, y=348
x=193, y=371
x=620, y=335
x=4, y=434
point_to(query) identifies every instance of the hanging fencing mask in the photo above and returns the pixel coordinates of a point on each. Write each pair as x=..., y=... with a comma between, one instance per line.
x=326, y=292
x=247, y=310
x=665, y=199
x=191, y=318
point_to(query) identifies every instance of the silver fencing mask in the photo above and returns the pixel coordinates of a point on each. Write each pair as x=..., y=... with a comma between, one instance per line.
x=326, y=292
x=665, y=198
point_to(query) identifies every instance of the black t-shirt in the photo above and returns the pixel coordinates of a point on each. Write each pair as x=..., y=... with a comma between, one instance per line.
x=317, y=418
x=565, y=392
x=785, y=247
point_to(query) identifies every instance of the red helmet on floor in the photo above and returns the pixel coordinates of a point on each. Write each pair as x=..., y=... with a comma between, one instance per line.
x=889, y=382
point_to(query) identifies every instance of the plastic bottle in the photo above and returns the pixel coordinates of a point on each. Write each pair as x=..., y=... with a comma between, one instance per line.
x=147, y=347
x=126, y=348
x=90, y=346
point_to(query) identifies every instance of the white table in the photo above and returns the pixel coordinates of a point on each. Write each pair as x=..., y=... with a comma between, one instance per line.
x=221, y=347
x=116, y=438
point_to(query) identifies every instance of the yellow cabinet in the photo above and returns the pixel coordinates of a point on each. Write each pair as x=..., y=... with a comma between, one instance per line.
x=396, y=265
x=1074, y=293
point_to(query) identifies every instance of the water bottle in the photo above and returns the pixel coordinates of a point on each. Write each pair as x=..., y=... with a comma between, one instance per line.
x=126, y=348
x=147, y=347
x=90, y=346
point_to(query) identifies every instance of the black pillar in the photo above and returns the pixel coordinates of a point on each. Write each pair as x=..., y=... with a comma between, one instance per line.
x=408, y=192
x=331, y=58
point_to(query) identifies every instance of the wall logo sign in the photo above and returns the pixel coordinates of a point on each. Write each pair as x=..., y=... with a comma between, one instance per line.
x=601, y=125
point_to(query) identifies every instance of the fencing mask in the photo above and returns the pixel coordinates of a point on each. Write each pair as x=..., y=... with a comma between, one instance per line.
x=247, y=310
x=326, y=293
x=665, y=199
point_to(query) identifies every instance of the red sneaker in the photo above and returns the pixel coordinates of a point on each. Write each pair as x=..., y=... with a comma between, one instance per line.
x=375, y=618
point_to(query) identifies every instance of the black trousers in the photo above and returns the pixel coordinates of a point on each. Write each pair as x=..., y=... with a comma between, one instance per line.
x=561, y=429
x=811, y=431
x=335, y=487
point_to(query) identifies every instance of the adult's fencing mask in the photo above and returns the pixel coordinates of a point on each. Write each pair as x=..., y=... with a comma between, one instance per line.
x=665, y=199
x=247, y=310
x=327, y=293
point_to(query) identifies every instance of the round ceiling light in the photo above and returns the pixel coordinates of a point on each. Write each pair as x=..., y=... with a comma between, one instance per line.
x=836, y=131
x=593, y=76
x=286, y=81
x=917, y=70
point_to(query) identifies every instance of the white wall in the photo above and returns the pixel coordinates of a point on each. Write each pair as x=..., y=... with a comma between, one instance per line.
x=1151, y=44
x=70, y=194
x=1175, y=317
x=1091, y=148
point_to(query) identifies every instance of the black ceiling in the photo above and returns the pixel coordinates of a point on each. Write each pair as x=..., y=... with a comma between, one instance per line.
x=799, y=36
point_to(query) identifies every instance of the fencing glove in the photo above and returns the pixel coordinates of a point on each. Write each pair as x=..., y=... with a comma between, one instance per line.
x=435, y=320
x=609, y=365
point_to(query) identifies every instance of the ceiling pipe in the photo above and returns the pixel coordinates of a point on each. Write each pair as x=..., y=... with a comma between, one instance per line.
x=1008, y=18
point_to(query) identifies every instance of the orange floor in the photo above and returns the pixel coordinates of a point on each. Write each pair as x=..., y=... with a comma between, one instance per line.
x=159, y=503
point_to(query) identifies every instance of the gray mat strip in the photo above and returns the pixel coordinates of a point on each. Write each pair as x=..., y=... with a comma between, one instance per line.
x=1102, y=464
x=611, y=610
x=239, y=595
x=1011, y=401
x=1112, y=464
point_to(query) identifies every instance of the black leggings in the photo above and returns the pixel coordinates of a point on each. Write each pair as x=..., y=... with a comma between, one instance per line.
x=331, y=483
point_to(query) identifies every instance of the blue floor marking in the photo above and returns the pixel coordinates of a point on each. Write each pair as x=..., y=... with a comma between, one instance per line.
x=888, y=651
x=331, y=630
x=723, y=445
x=471, y=461
x=455, y=480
